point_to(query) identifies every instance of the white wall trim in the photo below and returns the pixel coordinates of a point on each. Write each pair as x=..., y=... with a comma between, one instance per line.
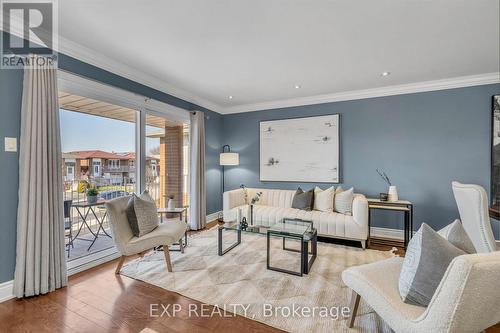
x=6, y=291
x=78, y=85
x=213, y=216
x=94, y=58
x=410, y=88
x=89, y=56
x=387, y=233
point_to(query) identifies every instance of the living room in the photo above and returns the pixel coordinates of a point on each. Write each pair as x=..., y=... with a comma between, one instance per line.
x=250, y=166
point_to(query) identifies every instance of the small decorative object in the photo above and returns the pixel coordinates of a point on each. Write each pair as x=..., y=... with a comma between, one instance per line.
x=384, y=196
x=171, y=203
x=92, y=195
x=393, y=191
x=245, y=192
x=243, y=223
x=256, y=198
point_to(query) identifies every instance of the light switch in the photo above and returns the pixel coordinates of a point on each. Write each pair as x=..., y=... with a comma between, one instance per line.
x=11, y=144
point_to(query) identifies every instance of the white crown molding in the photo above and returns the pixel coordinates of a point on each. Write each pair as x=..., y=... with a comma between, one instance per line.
x=89, y=56
x=77, y=51
x=410, y=88
x=6, y=291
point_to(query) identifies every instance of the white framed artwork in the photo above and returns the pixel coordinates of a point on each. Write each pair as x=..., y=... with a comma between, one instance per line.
x=300, y=149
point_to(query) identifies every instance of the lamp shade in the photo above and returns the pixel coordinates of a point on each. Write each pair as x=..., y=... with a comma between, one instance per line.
x=229, y=159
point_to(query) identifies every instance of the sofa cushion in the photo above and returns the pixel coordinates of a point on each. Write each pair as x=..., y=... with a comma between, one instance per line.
x=343, y=201
x=142, y=214
x=323, y=199
x=303, y=200
x=426, y=261
x=456, y=235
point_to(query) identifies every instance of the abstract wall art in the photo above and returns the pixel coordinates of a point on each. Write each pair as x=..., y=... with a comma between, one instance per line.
x=300, y=149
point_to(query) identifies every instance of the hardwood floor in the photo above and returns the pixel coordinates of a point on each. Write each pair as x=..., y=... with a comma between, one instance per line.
x=100, y=301
x=97, y=300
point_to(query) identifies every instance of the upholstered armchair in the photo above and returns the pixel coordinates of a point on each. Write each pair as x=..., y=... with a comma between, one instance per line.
x=466, y=300
x=472, y=202
x=127, y=244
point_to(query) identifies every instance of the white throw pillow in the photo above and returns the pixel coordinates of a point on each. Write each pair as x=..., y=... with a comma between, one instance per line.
x=456, y=235
x=323, y=199
x=343, y=201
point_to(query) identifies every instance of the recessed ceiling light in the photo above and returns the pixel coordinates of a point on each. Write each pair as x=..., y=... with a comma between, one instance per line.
x=230, y=97
x=386, y=73
x=297, y=86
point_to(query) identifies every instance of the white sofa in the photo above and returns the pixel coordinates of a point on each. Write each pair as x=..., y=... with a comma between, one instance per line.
x=275, y=205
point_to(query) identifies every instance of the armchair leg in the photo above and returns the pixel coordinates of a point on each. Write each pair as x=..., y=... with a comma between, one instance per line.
x=363, y=244
x=167, y=257
x=120, y=264
x=355, y=298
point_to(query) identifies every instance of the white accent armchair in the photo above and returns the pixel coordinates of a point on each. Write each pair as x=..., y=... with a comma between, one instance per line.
x=466, y=300
x=127, y=244
x=472, y=202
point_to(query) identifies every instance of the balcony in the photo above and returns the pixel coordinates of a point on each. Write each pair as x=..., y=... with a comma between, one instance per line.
x=119, y=169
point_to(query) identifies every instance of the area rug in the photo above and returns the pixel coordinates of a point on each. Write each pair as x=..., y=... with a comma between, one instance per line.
x=239, y=282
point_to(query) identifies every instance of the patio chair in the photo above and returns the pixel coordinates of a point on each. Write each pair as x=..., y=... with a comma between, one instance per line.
x=68, y=224
x=166, y=234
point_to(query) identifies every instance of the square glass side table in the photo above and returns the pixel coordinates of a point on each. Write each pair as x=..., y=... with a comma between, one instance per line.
x=299, y=230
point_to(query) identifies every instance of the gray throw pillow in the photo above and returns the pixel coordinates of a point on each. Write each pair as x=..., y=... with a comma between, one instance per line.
x=303, y=200
x=456, y=235
x=142, y=214
x=427, y=258
x=343, y=201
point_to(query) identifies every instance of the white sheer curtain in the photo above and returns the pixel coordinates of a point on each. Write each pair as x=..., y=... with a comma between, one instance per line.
x=197, y=204
x=40, y=258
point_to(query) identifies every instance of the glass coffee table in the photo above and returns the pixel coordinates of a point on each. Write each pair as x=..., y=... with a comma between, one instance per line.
x=235, y=226
x=301, y=231
x=296, y=229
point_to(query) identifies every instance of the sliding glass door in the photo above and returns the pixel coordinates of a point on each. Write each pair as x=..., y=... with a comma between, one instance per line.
x=115, y=143
x=99, y=151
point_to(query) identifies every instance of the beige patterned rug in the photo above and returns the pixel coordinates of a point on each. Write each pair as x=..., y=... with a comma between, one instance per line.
x=240, y=283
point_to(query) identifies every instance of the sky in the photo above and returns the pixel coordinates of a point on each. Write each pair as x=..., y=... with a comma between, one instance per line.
x=81, y=131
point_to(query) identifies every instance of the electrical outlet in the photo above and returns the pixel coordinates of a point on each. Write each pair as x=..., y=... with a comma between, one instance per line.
x=10, y=144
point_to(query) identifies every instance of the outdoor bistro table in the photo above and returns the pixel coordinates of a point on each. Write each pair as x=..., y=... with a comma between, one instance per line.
x=84, y=208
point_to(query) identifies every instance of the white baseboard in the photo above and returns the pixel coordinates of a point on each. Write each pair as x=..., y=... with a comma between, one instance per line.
x=213, y=216
x=387, y=233
x=6, y=291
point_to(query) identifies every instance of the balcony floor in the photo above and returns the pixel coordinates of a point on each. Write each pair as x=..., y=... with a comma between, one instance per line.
x=82, y=243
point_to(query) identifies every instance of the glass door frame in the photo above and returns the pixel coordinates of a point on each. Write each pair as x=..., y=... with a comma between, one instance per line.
x=82, y=86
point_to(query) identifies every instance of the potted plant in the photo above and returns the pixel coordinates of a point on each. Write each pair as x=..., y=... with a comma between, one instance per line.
x=171, y=203
x=92, y=193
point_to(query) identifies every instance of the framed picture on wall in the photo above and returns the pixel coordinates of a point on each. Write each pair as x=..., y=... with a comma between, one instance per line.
x=300, y=149
x=495, y=157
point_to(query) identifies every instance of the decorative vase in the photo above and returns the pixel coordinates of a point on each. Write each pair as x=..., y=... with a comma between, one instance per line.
x=171, y=204
x=393, y=193
x=91, y=199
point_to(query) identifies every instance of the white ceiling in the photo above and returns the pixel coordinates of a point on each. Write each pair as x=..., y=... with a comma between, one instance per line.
x=258, y=50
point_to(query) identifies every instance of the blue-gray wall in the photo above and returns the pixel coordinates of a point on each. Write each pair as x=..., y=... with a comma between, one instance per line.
x=10, y=112
x=422, y=141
